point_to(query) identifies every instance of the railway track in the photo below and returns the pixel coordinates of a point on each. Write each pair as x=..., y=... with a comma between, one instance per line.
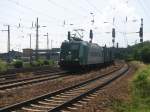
x=13, y=76
x=5, y=85
x=66, y=98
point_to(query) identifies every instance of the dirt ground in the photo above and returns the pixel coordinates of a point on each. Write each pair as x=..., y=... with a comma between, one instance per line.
x=28, y=92
x=103, y=99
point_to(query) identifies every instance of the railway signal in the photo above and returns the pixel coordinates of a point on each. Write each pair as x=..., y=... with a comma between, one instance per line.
x=91, y=35
x=141, y=31
x=117, y=45
x=37, y=38
x=113, y=36
x=69, y=35
x=47, y=40
x=8, y=42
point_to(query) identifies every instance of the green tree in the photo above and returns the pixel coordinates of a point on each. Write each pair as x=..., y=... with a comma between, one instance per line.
x=145, y=54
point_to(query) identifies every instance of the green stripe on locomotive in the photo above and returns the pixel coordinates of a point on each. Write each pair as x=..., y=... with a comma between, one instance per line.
x=83, y=53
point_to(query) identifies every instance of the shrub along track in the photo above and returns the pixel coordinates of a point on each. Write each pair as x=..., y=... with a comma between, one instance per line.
x=59, y=99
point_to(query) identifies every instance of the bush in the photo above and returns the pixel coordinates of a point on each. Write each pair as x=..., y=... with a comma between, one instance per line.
x=145, y=54
x=42, y=62
x=38, y=63
x=52, y=63
x=139, y=52
x=140, y=94
x=35, y=64
x=18, y=64
x=27, y=65
x=46, y=62
x=142, y=83
x=3, y=66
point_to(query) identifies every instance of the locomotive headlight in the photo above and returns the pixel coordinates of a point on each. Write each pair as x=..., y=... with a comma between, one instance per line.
x=76, y=59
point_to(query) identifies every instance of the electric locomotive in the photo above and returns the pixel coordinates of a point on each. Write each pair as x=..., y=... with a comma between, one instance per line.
x=77, y=53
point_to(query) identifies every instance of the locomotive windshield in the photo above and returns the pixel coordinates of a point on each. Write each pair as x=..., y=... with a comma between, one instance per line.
x=70, y=51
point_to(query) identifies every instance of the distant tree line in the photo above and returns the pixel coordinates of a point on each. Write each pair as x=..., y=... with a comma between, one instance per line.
x=139, y=52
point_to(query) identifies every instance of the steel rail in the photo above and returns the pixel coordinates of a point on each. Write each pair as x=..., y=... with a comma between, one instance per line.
x=30, y=78
x=13, y=75
x=33, y=80
x=80, y=97
x=32, y=101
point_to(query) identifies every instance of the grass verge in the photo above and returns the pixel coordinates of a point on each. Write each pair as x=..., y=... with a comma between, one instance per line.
x=3, y=66
x=140, y=93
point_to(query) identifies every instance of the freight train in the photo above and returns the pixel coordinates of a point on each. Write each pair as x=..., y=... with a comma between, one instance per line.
x=77, y=53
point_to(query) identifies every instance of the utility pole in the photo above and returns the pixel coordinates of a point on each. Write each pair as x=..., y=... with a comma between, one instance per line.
x=51, y=44
x=30, y=50
x=92, y=21
x=117, y=45
x=37, y=39
x=8, y=49
x=30, y=40
x=113, y=36
x=141, y=31
x=91, y=35
x=8, y=41
x=113, y=33
x=48, y=51
x=47, y=41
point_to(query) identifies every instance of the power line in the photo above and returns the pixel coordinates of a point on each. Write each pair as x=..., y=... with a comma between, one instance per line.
x=8, y=41
x=95, y=8
x=143, y=7
x=47, y=19
x=37, y=38
x=33, y=10
x=47, y=40
x=26, y=19
x=81, y=6
x=64, y=8
x=18, y=11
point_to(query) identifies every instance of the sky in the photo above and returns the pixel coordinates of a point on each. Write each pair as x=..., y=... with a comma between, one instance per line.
x=60, y=16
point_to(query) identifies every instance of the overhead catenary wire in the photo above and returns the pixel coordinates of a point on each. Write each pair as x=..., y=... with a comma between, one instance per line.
x=94, y=7
x=86, y=9
x=20, y=18
x=143, y=6
x=20, y=12
x=56, y=20
x=65, y=8
x=35, y=11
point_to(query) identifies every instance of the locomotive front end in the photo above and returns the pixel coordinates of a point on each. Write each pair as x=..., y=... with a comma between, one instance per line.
x=69, y=55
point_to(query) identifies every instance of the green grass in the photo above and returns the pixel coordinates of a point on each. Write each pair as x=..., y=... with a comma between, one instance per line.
x=42, y=62
x=140, y=94
x=3, y=66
